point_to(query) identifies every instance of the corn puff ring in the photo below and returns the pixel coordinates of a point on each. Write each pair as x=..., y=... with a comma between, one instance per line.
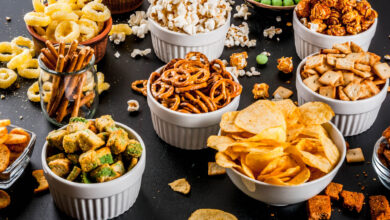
x=67, y=31
x=121, y=28
x=81, y=3
x=38, y=5
x=19, y=59
x=20, y=43
x=50, y=2
x=50, y=30
x=40, y=31
x=96, y=11
x=46, y=89
x=37, y=19
x=7, y=78
x=100, y=26
x=88, y=29
x=33, y=92
x=6, y=51
x=102, y=86
x=29, y=70
x=52, y=8
x=64, y=16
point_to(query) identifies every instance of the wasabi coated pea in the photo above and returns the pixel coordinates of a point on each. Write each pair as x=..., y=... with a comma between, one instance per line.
x=266, y=2
x=288, y=2
x=277, y=2
x=261, y=59
x=297, y=1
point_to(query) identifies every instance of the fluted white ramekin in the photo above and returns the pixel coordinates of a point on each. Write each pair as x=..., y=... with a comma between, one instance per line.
x=168, y=44
x=186, y=131
x=308, y=42
x=96, y=200
x=351, y=117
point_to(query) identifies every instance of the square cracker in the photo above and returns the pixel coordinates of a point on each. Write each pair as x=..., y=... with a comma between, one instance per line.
x=328, y=91
x=356, y=48
x=323, y=68
x=382, y=70
x=312, y=82
x=345, y=64
x=363, y=67
x=283, y=92
x=344, y=47
x=315, y=61
x=355, y=155
x=362, y=74
x=348, y=77
x=342, y=95
x=331, y=78
x=352, y=90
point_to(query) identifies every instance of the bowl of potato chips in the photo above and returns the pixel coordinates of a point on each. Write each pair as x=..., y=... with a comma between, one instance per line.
x=278, y=153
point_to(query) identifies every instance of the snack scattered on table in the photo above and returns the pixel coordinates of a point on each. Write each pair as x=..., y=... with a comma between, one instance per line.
x=215, y=169
x=136, y=86
x=139, y=23
x=285, y=64
x=5, y=199
x=66, y=21
x=352, y=200
x=242, y=12
x=7, y=78
x=262, y=59
x=338, y=18
x=193, y=85
x=282, y=93
x=102, y=85
x=181, y=186
x=345, y=72
x=92, y=151
x=211, y=214
x=119, y=32
x=355, y=155
x=133, y=105
x=238, y=60
x=271, y=32
x=43, y=184
x=319, y=207
x=276, y=142
x=333, y=190
x=260, y=91
x=239, y=36
x=379, y=207
x=138, y=52
x=189, y=17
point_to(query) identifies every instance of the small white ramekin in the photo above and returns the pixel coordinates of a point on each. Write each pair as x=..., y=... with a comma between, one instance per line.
x=186, y=131
x=96, y=200
x=286, y=195
x=351, y=117
x=168, y=44
x=308, y=42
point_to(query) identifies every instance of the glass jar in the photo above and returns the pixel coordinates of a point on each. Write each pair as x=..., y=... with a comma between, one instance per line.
x=75, y=93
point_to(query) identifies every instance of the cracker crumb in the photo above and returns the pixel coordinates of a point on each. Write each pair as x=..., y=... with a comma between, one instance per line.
x=2, y=96
x=117, y=55
x=288, y=24
x=8, y=19
x=20, y=117
x=278, y=18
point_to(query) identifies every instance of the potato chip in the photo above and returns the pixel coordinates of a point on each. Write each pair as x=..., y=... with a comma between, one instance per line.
x=276, y=134
x=294, y=131
x=259, y=116
x=16, y=139
x=181, y=186
x=215, y=169
x=211, y=214
x=3, y=131
x=5, y=122
x=256, y=161
x=227, y=122
x=315, y=173
x=331, y=151
x=315, y=113
x=4, y=157
x=3, y=138
x=302, y=177
x=43, y=184
x=219, y=143
x=225, y=161
x=244, y=168
x=280, y=167
x=290, y=111
x=5, y=199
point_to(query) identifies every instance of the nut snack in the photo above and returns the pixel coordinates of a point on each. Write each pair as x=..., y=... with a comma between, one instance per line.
x=68, y=20
x=345, y=72
x=194, y=85
x=92, y=151
x=277, y=142
x=336, y=17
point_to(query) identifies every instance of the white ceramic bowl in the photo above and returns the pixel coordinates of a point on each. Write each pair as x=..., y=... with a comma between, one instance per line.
x=286, y=195
x=308, y=42
x=96, y=200
x=186, y=131
x=351, y=117
x=168, y=44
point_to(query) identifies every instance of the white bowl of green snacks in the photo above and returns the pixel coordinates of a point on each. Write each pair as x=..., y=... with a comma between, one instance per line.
x=276, y=5
x=94, y=167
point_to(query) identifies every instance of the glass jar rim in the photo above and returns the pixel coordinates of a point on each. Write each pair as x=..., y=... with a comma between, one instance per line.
x=48, y=70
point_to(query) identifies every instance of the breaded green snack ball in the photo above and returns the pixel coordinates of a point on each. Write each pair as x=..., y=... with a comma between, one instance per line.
x=288, y=2
x=266, y=2
x=277, y=2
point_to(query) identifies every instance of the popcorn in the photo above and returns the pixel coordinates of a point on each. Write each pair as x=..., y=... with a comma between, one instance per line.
x=117, y=55
x=252, y=72
x=271, y=32
x=117, y=38
x=139, y=52
x=189, y=16
x=137, y=18
x=278, y=18
x=231, y=2
x=238, y=36
x=242, y=12
x=133, y=105
x=139, y=24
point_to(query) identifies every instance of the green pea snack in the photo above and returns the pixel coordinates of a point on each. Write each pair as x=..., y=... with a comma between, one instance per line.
x=92, y=151
x=261, y=59
x=277, y=2
x=288, y=2
x=266, y=2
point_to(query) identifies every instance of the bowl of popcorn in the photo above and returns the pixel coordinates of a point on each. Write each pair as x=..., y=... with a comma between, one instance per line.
x=94, y=167
x=353, y=82
x=88, y=23
x=178, y=28
x=188, y=97
x=320, y=24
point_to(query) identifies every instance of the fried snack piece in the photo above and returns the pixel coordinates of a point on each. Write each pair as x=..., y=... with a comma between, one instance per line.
x=118, y=141
x=60, y=167
x=43, y=184
x=319, y=207
x=378, y=206
x=285, y=64
x=181, y=186
x=5, y=199
x=353, y=200
x=238, y=60
x=4, y=157
x=211, y=214
x=104, y=173
x=333, y=190
x=133, y=149
x=89, y=160
x=214, y=169
x=260, y=91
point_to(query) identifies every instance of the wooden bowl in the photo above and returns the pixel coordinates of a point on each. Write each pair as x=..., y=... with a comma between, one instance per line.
x=98, y=43
x=271, y=7
x=122, y=6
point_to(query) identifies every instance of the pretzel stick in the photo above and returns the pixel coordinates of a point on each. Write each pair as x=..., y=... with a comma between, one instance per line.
x=61, y=48
x=51, y=48
x=71, y=50
x=56, y=82
x=85, y=100
x=49, y=56
x=89, y=57
x=76, y=107
x=47, y=63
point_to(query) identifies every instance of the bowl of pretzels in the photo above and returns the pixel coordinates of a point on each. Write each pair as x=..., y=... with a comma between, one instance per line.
x=187, y=98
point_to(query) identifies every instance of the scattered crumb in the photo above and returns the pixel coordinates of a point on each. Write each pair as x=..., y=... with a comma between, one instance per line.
x=272, y=214
x=278, y=18
x=8, y=19
x=20, y=117
x=117, y=55
x=2, y=96
x=374, y=179
x=289, y=24
x=387, y=57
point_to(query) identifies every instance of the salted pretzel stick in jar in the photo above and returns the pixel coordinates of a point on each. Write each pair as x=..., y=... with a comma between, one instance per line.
x=48, y=64
x=56, y=81
x=52, y=49
x=49, y=56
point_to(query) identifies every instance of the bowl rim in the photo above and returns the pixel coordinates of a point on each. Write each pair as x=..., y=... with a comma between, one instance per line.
x=102, y=34
x=335, y=101
x=330, y=37
x=150, y=96
x=272, y=7
x=161, y=28
x=376, y=156
x=97, y=185
x=335, y=168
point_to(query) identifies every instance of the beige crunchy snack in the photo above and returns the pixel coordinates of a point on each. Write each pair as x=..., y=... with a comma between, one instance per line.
x=260, y=91
x=355, y=155
x=214, y=169
x=285, y=64
x=211, y=214
x=43, y=184
x=345, y=72
x=181, y=186
x=282, y=92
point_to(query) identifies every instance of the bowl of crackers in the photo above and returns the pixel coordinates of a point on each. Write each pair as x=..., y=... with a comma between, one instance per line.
x=279, y=153
x=318, y=25
x=16, y=148
x=353, y=82
x=187, y=98
x=94, y=167
x=381, y=158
